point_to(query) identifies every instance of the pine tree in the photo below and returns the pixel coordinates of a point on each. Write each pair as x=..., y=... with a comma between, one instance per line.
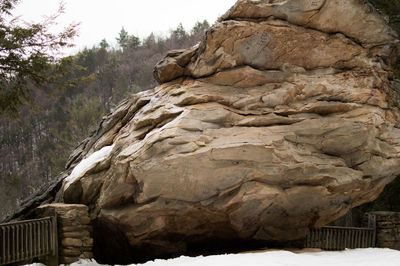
x=104, y=44
x=123, y=38
x=127, y=41
x=28, y=53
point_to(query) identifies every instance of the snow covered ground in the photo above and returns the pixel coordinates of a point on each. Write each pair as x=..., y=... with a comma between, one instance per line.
x=356, y=257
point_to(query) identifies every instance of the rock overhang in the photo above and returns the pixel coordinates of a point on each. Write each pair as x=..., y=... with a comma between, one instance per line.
x=281, y=120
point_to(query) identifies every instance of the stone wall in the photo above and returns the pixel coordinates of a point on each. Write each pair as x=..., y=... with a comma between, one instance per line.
x=74, y=230
x=387, y=229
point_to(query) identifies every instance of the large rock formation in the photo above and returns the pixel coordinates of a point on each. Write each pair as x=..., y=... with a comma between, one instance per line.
x=282, y=119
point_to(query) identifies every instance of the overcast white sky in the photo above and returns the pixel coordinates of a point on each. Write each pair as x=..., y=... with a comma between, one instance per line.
x=104, y=18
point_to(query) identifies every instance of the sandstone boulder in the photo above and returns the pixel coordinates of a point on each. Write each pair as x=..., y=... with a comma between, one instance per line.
x=281, y=120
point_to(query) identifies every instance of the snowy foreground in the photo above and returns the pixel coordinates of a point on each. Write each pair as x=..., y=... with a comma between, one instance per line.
x=362, y=257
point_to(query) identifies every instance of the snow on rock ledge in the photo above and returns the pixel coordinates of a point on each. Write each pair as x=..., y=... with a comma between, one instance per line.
x=86, y=164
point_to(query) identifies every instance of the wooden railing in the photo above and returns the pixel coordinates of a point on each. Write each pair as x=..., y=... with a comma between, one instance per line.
x=339, y=238
x=21, y=241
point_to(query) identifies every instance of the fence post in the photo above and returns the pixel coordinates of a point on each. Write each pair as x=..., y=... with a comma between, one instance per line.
x=372, y=225
x=2, y=246
x=52, y=259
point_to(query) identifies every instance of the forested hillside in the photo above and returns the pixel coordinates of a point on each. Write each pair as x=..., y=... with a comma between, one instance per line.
x=35, y=146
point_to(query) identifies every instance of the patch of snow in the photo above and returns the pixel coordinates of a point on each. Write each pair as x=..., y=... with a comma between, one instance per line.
x=91, y=262
x=87, y=164
x=354, y=257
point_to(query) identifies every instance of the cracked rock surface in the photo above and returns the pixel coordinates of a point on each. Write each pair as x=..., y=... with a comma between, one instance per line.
x=281, y=120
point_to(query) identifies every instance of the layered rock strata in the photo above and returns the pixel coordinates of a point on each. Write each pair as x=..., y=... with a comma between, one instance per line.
x=282, y=119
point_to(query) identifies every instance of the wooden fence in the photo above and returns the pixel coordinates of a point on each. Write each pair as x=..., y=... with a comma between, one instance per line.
x=22, y=241
x=339, y=238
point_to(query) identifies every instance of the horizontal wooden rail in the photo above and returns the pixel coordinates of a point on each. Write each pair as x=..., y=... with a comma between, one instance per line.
x=21, y=241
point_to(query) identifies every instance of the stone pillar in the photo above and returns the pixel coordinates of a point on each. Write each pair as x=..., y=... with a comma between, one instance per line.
x=74, y=230
x=387, y=230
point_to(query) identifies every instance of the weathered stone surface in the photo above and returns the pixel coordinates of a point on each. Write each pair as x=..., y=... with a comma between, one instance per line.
x=269, y=45
x=87, y=255
x=354, y=18
x=64, y=211
x=387, y=229
x=173, y=65
x=387, y=217
x=80, y=234
x=71, y=242
x=76, y=228
x=83, y=220
x=294, y=35
x=87, y=242
x=281, y=120
x=70, y=252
